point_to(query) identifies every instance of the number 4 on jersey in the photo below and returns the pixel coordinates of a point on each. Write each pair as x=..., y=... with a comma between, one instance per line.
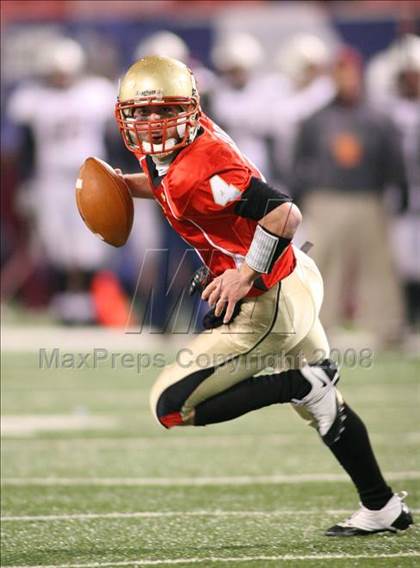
x=222, y=191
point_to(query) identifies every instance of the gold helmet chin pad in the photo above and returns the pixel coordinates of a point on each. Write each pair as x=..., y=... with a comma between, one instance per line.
x=158, y=78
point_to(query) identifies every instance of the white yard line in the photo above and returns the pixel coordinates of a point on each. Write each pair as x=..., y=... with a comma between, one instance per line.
x=32, y=338
x=198, y=560
x=30, y=424
x=224, y=440
x=221, y=440
x=198, y=481
x=163, y=514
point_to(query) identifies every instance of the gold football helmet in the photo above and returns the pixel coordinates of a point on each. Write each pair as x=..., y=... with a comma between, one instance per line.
x=158, y=107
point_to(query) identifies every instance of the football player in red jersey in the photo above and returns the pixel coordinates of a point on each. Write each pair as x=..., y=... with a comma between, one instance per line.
x=265, y=293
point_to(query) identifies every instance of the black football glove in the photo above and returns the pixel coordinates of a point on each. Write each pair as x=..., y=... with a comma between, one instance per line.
x=210, y=320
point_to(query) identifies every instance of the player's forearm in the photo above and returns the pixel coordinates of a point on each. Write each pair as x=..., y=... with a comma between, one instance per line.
x=139, y=186
x=282, y=222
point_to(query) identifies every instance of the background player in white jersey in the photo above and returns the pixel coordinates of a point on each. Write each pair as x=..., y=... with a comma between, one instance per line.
x=393, y=82
x=65, y=112
x=304, y=61
x=245, y=90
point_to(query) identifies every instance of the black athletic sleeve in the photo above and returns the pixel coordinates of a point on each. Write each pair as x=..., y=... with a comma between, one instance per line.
x=259, y=199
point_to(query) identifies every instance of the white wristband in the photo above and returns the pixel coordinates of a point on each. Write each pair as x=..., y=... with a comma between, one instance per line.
x=261, y=252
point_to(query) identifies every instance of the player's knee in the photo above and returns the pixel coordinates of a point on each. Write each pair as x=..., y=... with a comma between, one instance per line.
x=169, y=399
x=167, y=413
x=170, y=412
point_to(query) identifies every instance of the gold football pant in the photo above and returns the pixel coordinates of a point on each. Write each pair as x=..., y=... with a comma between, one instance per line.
x=276, y=331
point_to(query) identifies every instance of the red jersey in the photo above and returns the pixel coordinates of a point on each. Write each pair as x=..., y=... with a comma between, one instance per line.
x=198, y=195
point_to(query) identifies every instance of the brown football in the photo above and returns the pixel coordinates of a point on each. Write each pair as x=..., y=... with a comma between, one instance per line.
x=104, y=202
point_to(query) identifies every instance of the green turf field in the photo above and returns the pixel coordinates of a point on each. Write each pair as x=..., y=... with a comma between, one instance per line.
x=89, y=480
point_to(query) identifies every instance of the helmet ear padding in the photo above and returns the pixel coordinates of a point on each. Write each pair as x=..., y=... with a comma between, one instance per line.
x=180, y=130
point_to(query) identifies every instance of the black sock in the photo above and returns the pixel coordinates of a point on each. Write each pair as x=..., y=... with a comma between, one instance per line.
x=252, y=394
x=355, y=454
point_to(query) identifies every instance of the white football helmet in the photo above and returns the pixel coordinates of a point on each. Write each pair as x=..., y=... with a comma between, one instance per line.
x=61, y=55
x=405, y=53
x=238, y=50
x=383, y=69
x=301, y=52
x=165, y=44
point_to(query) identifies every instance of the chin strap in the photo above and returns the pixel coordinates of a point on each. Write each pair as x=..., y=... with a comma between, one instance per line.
x=192, y=132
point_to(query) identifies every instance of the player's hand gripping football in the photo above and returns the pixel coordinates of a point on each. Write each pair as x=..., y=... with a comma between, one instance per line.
x=225, y=291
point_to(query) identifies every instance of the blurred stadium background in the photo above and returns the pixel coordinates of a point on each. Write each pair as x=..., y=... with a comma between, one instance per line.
x=81, y=441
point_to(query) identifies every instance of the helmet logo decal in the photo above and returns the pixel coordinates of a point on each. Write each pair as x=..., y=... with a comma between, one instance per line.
x=155, y=93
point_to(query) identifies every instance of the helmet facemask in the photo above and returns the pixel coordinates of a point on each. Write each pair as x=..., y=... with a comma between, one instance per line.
x=161, y=136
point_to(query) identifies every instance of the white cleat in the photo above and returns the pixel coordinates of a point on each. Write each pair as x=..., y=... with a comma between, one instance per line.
x=394, y=516
x=324, y=402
